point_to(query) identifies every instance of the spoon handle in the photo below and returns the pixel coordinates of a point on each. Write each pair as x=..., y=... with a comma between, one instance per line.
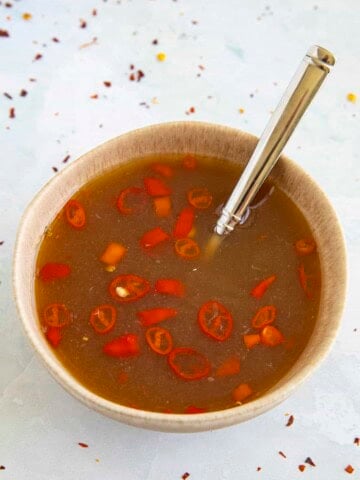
x=297, y=97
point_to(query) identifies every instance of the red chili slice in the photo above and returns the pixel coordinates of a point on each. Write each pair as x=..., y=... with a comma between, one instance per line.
x=170, y=286
x=56, y=315
x=191, y=409
x=264, y=316
x=128, y=288
x=199, y=198
x=75, y=214
x=215, y=320
x=124, y=346
x=163, y=169
x=103, y=318
x=131, y=200
x=156, y=187
x=187, y=248
x=259, y=290
x=54, y=271
x=184, y=223
x=153, y=237
x=156, y=315
x=305, y=246
x=189, y=364
x=54, y=336
x=159, y=340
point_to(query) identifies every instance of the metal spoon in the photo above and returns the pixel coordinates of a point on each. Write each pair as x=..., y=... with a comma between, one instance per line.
x=297, y=97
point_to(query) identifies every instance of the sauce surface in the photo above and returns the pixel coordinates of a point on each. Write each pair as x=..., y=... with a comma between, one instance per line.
x=265, y=247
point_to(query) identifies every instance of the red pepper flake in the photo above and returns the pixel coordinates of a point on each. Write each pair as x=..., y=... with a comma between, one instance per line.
x=282, y=454
x=82, y=23
x=55, y=40
x=185, y=475
x=23, y=93
x=155, y=41
x=201, y=67
x=4, y=33
x=357, y=441
x=94, y=12
x=8, y=5
x=2, y=467
x=107, y=84
x=12, y=112
x=7, y=95
x=290, y=421
x=349, y=469
x=132, y=77
x=310, y=462
x=191, y=110
x=95, y=95
x=83, y=445
x=66, y=159
x=37, y=57
x=301, y=467
x=55, y=169
x=139, y=75
x=1, y=242
x=132, y=67
x=258, y=469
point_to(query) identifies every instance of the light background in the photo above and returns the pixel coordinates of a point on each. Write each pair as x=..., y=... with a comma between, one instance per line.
x=250, y=50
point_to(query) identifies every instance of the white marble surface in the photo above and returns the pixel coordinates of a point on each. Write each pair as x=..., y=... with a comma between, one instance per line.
x=247, y=47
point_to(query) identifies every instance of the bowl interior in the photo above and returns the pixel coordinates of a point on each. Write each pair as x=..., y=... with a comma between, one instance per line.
x=202, y=139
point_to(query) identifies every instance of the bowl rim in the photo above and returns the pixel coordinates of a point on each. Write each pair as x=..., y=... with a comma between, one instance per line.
x=156, y=420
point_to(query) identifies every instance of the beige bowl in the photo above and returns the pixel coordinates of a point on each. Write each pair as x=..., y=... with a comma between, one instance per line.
x=203, y=139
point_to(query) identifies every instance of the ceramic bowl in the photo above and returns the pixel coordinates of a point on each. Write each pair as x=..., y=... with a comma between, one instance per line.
x=202, y=139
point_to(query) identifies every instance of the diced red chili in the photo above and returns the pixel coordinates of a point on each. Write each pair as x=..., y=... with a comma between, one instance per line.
x=128, y=288
x=305, y=246
x=103, y=318
x=191, y=409
x=153, y=237
x=264, y=316
x=242, y=392
x=54, y=271
x=184, y=223
x=199, y=198
x=259, y=290
x=231, y=366
x=156, y=315
x=271, y=336
x=251, y=340
x=113, y=253
x=170, y=286
x=56, y=315
x=187, y=248
x=163, y=169
x=189, y=364
x=75, y=214
x=189, y=162
x=156, y=187
x=215, y=320
x=162, y=206
x=54, y=336
x=131, y=200
x=124, y=346
x=159, y=340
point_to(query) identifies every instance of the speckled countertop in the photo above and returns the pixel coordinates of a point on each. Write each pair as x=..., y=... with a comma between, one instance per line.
x=230, y=60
